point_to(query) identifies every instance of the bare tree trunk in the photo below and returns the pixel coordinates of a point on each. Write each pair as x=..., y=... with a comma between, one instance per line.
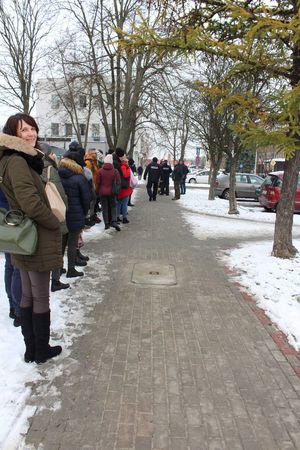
x=232, y=198
x=214, y=168
x=212, y=181
x=283, y=245
x=132, y=144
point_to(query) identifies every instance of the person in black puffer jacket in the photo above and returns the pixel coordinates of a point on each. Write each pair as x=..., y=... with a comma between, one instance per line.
x=78, y=192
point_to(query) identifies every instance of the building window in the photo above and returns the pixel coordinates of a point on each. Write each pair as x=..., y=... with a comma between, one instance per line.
x=96, y=131
x=82, y=101
x=68, y=129
x=54, y=129
x=82, y=128
x=55, y=101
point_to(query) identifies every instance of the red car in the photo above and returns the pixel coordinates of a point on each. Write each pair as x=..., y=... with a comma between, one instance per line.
x=270, y=191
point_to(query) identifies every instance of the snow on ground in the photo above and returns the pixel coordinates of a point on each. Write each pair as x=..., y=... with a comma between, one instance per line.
x=274, y=282
x=70, y=310
x=69, y=313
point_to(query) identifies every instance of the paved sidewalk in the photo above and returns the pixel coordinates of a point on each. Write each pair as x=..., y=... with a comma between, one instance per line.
x=183, y=367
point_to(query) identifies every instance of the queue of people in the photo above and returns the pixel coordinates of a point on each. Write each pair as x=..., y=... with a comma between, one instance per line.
x=83, y=184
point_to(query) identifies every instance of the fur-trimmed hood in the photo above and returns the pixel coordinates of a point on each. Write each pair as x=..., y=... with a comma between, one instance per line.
x=70, y=164
x=18, y=144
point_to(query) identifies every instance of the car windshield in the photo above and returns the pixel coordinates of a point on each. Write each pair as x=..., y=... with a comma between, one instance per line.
x=275, y=181
x=270, y=180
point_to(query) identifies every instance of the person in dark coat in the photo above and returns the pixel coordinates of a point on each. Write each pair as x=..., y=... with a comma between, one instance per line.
x=24, y=190
x=119, y=153
x=177, y=176
x=133, y=169
x=140, y=171
x=106, y=176
x=166, y=171
x=12, y=278
x=153, y=171
x=50, y=160
x=78, y=192
x=185, y=171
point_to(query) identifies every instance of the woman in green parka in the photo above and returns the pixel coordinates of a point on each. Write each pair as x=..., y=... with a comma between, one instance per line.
x=24, y=189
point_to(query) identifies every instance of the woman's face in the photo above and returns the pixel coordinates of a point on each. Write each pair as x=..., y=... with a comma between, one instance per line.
x=27, y=132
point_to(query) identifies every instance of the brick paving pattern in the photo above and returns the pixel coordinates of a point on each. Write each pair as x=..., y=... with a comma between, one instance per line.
x=184, y=367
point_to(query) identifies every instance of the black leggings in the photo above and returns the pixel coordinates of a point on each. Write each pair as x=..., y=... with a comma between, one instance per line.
x=35, y=291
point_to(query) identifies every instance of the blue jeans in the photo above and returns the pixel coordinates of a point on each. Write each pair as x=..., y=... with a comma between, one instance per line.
x=182, y=187
x=13, y=286
x=122, y=207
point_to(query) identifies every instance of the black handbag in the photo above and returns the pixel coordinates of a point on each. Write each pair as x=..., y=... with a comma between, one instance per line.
x=115, y=187
x=125, y=183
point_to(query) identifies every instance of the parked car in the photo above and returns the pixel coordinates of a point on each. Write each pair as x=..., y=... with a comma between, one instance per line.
x=57, y=150
x=200, y=176
x=270, y=192
x=246, y=185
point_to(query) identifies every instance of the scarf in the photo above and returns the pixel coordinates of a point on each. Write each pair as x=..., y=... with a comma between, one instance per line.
x=35, y=162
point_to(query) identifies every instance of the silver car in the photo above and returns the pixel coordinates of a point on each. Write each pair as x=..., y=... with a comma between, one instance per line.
x=246, y=185
x=200, y=176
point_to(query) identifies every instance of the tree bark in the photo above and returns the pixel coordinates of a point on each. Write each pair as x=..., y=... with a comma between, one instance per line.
x=283, y=245
x=215, y=166
x=232, y=198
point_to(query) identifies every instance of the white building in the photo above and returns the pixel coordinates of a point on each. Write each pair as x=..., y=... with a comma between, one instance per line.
x=55, y=123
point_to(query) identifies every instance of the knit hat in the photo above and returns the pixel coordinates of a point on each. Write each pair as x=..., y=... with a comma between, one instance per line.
x=108, y=159
x=120, y=152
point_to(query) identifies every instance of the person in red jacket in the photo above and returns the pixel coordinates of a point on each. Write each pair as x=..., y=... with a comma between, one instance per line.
x=106, y=176
x=125, y=190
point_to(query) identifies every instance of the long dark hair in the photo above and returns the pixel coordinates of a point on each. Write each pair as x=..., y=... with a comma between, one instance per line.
x=12, y=122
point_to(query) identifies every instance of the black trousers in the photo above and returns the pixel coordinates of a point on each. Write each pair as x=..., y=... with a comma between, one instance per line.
x=71, y=239
x=164, y=187
x=152, y=187
x=109, y=208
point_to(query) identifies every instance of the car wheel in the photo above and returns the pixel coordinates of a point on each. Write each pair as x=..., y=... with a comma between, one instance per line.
x=192, y=180
x=268, y=209
x=275, y=208
x=226, y=194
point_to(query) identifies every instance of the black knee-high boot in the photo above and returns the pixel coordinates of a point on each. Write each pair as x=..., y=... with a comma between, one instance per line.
x=27, y=331
x=41, y=330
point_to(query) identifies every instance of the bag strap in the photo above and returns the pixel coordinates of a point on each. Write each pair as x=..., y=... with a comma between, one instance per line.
x=49, y=172
x=3, y=169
